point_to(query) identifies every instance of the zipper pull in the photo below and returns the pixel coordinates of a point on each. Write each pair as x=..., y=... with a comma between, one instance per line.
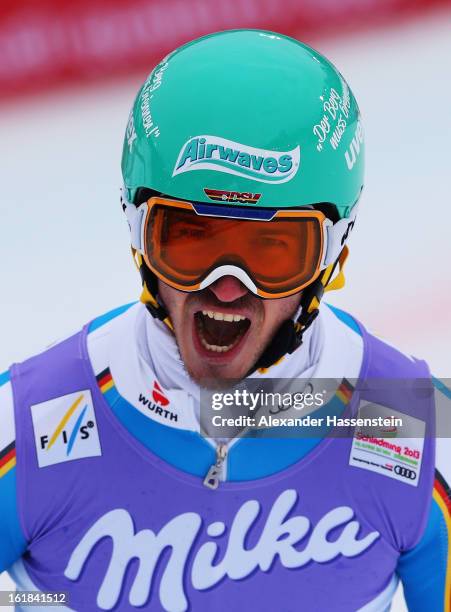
x=212, y=478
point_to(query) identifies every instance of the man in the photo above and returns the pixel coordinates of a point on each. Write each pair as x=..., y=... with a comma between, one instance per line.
x=243, y=167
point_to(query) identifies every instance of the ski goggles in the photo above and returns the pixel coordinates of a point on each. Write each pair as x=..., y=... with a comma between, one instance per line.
x=189, y=245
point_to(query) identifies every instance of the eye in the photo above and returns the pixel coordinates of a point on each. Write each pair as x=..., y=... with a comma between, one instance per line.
x=186, y=230
x=271, y=241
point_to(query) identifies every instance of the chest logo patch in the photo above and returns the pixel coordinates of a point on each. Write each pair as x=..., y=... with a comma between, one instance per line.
x=394, y=452
x=65, y=429
x=334, y=535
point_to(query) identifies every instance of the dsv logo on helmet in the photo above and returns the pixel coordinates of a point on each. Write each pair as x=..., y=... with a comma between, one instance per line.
x=222, y=155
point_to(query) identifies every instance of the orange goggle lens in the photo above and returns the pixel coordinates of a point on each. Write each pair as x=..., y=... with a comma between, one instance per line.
x=281, y=256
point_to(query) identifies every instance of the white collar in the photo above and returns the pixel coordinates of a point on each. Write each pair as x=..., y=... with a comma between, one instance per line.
x=141, y=352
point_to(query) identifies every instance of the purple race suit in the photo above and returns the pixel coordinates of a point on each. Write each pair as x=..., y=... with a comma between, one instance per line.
x=117, y=528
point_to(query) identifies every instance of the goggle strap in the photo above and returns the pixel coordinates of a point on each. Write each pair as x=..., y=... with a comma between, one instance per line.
x=339, y=280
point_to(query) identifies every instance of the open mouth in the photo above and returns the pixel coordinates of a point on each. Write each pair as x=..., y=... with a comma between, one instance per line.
x=220, y=332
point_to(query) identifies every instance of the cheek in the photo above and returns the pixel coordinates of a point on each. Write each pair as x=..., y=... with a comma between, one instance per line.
x=277, y=311
x=172, y=299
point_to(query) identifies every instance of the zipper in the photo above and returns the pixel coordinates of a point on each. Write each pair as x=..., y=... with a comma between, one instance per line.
x=213, y=477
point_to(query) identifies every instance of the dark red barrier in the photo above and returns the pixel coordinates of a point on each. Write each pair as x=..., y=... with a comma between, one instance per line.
x=50, y=42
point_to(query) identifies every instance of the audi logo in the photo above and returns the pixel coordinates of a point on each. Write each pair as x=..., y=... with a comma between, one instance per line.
x=405, y=472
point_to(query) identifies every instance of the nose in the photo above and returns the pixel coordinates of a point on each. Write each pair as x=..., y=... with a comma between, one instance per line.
x=228, y=289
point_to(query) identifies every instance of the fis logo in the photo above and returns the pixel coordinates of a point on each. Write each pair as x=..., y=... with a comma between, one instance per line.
x=222, y=155
x=232, y=196
x=65, y=429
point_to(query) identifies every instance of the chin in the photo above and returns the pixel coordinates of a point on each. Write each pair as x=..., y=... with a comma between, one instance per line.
x=215, y=376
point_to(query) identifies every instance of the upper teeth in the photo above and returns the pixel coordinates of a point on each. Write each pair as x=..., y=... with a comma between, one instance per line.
x=222, y=316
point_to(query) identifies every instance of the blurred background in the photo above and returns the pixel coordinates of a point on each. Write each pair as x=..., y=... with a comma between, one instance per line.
x=68, y=75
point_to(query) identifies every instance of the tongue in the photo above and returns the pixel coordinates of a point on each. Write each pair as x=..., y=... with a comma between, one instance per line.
x=220, y=333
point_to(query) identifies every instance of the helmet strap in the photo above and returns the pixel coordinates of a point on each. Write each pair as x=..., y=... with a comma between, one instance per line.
x=150, y=291
x=290, y=334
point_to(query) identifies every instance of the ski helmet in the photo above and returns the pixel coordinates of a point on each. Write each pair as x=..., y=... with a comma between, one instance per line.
x=249, y=117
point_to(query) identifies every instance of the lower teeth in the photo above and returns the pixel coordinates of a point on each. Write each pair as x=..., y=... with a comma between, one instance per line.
x=216, y=348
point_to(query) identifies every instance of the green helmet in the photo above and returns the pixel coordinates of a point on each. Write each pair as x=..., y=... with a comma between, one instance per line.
x=253, y=118
x=245, y=112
